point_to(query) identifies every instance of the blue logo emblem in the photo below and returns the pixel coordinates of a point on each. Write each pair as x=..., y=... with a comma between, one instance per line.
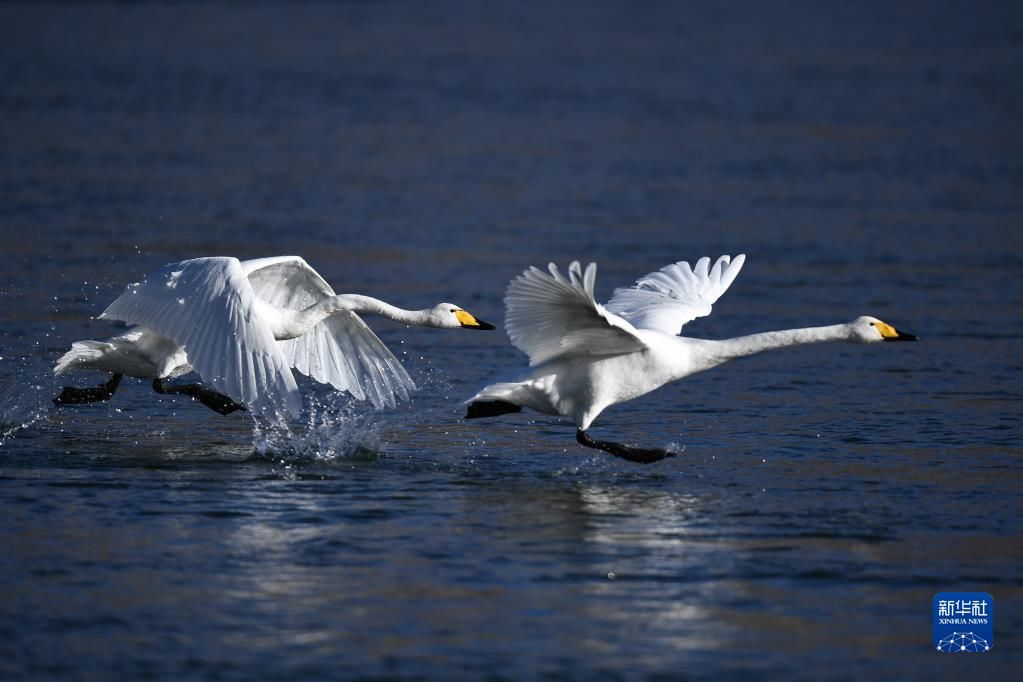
x=964, y=622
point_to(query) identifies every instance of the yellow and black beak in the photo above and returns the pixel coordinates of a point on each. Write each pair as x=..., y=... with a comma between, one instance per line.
x=890, y=333
x=469, y=322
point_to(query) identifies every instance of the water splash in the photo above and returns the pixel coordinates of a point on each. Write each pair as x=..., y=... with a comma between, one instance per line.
x=333, y=427
x=24, y=402
x=10, y=423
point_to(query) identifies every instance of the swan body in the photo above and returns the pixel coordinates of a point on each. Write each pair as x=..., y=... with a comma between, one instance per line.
x=586, y=357
x=138, y=353
x=242, y=326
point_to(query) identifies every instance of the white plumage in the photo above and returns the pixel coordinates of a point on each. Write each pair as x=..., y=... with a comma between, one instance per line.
x=676, y=294
x=242, y=326
x=341, y=350
x=586, y=356
x=209, y=309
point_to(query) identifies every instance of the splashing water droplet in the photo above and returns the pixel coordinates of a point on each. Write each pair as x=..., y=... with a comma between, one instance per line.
x=335, y=427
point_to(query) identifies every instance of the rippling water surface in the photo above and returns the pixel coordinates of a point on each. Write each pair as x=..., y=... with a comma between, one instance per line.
x=867, y=158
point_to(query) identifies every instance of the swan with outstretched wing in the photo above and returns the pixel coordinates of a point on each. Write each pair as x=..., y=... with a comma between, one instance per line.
x=586, y=356
x=242, y=326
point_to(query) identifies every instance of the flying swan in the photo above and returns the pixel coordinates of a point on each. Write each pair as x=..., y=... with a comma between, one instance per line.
x=587, y=357
x=242, y=326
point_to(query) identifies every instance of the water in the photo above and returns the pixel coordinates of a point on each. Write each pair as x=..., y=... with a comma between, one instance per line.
x=867, y=158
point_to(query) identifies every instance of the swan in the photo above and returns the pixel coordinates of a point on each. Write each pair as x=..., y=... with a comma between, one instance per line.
x=242, y=326
x=586, y=357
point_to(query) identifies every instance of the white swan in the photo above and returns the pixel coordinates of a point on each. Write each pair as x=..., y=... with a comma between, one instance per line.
x=587, y=357
x=241, y=325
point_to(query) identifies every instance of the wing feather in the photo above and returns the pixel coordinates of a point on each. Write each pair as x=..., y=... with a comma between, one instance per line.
x=548, y=316
x=206, y=305
x=341, y=350
x=676, y=294
x=344, y=352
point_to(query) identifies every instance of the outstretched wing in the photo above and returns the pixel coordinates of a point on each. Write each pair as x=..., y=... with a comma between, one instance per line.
x=341, y=350
x=286, y=282
x=207, y=306
x=548, y=316
x=665, y=300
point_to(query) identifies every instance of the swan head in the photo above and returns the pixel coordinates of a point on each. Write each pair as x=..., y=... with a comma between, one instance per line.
x=868, y=329
x=451, y=316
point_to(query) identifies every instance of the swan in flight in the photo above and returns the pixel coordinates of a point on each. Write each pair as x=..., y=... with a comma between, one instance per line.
x=242, y=326
x=586, y=357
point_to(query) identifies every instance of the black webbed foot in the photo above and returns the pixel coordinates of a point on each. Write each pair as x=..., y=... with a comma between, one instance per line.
x=638, y=455
x=490, y=408
x=218, y=402
x=78, y=396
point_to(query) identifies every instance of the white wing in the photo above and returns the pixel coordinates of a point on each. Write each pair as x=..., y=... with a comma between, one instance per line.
x=665, y=300
x=341, y=350
x=286, y=282
x=207, y=306
x=548, y=316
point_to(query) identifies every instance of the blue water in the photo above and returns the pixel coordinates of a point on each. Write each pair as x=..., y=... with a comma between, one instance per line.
x=868, y=159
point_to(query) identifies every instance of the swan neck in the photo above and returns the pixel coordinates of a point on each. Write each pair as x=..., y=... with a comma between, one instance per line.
x=291, y=324
x=758, y=343
x=367, y=305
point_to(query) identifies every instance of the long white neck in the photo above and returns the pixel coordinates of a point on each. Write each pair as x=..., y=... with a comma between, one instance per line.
x=290, y=324
x=729, y=349
x=357, y=303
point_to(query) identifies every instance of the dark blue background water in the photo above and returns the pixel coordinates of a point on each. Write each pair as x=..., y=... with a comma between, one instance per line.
x=868, y=157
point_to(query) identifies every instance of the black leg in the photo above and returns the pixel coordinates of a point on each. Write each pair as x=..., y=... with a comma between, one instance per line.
x=218, y=402
x=490, y=408
x=76, y=396
x=640, y=455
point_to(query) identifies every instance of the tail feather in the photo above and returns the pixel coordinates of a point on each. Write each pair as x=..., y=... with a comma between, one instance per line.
x=504, y=398
x=82, y=353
